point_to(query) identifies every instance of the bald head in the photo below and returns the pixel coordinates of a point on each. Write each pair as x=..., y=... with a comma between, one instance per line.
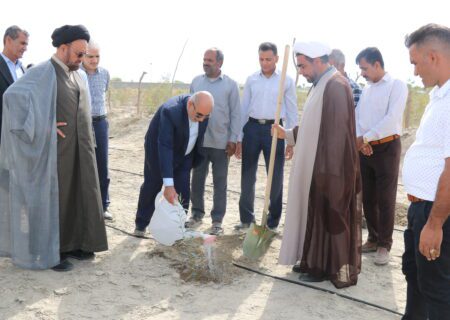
x=200, y=106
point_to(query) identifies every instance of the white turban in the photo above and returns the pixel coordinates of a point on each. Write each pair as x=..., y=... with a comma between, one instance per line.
x=312, y=49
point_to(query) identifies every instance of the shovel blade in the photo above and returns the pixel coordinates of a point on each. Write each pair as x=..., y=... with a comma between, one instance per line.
x=257, y=241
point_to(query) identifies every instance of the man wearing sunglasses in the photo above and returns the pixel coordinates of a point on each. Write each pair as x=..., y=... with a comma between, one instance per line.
x=171, y=150
x=49, y=193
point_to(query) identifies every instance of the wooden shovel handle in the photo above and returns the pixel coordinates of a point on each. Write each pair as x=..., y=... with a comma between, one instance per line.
x=275, y=136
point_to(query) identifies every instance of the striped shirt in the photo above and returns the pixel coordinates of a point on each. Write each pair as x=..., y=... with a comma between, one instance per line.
x=356, y=90
x=98, y=85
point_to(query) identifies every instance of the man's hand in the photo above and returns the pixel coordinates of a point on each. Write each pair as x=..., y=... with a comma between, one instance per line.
x=170, y=194
x=281, y=132
x=238, y=153
x=289, y=153
x=430, y=240
x=230, y=149
x=366, y=150
x=59, y=131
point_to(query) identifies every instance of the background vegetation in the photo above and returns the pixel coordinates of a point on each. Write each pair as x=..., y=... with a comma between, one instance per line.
x=152, y=95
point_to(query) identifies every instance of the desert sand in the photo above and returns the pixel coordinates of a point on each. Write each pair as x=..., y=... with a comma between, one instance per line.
x=141, y=279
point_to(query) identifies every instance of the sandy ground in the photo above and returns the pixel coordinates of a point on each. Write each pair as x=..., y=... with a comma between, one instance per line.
x=140, y=279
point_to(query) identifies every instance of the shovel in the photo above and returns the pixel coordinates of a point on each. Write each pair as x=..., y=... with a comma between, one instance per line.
x=258, y=238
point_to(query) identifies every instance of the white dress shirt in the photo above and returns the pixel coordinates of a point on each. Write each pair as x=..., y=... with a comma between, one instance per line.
x=425, y=160
x=14, y=68
x=379, y=113
x=260, y=96
x=193, y=135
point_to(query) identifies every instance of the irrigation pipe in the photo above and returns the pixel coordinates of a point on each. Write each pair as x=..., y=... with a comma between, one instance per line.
x=319, y=289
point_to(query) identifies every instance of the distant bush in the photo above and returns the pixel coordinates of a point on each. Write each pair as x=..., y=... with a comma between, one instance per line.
x=155, y=94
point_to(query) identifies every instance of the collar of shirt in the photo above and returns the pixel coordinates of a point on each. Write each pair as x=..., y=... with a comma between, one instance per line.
x=214, y=79
x=18, y=63
x=274, y=74
x=13, y=67
x=386, y=78
x=440, y=92
x=320, y=77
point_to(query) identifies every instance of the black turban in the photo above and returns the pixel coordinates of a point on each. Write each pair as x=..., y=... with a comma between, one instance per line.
x=67, y=34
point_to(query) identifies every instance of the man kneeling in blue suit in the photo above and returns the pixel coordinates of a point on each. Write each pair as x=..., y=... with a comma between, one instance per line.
x=171, y=150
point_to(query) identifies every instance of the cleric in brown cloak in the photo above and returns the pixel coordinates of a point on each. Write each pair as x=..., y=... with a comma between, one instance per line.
x=322, y=227
x=49, y=189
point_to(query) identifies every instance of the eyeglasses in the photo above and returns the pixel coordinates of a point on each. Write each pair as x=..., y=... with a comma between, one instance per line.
x=79, y=55
x=199, y=115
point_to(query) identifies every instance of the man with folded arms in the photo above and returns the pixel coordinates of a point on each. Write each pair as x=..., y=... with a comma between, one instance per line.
x=426, y=176
x=378, y=127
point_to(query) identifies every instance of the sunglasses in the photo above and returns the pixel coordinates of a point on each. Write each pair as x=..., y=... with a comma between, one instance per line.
x=79, y=55
x=199, y=115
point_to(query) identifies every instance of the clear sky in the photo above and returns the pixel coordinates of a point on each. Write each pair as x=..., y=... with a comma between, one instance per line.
x=137, y=36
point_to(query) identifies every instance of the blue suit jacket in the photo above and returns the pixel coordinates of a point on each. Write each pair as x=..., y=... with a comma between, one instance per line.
x=168, y=136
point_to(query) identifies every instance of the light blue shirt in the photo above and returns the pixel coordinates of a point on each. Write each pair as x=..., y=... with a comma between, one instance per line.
x=260, y=97
x=224, y=125
x=193, y=135
x=98, y=85
x=14, y=68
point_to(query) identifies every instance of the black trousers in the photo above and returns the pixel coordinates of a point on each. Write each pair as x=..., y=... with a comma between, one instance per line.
x=428, y=291
x=379, y=173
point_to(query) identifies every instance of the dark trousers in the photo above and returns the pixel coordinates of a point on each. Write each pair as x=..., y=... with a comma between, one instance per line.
x=219, y=160
x=101, y=128
x=379, y=173
x=428, y=290
x=257, y=138
x=153, y=183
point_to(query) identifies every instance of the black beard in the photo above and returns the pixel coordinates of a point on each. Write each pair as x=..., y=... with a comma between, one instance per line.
x=73, y=67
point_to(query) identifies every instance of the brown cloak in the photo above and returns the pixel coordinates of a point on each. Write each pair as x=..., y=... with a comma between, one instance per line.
x=80, y=209
x=333, y=232
x=330, y=243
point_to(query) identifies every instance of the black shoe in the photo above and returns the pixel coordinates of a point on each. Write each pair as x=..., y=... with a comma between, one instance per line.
x=306, y=277
x=80, y=255
x=63, y=266
x=296, y=268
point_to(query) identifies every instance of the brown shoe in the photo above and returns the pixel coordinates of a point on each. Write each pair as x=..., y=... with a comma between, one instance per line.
x=369, y=247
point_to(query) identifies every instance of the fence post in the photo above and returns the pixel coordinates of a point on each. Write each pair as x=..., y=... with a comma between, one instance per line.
x=138, y=107
x=407, y=113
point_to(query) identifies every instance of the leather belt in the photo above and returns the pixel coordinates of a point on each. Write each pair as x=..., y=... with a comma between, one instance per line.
x=384, y=140
x=412, y=198
x=98, y=118
x=261, y=121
